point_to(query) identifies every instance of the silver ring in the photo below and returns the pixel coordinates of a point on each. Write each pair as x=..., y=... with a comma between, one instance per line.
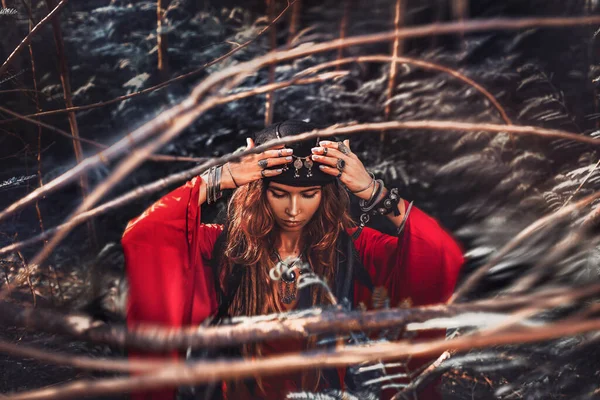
x=325, y=151
x=343, y=148
x=340, y=174
x=263, y=163
x=280, y=153
x=340, y=165
x=262, y=173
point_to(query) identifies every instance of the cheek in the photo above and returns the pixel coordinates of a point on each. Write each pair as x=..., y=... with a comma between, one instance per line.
x=313, y=205
x=275, y=204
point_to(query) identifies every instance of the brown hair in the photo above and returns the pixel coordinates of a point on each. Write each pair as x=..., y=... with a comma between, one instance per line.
x=250, y=236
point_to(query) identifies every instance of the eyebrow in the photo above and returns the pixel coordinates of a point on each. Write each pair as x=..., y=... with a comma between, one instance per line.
x=303, y=191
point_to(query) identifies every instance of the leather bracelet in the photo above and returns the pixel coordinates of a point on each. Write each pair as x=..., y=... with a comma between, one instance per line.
x=368, y=186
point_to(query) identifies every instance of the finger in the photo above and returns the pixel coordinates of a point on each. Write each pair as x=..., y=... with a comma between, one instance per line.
x=347, y=143
x=334, y=145
x=329, y=170
x=266, y=173
x=250, y=143
x=276, y=153
x=331, y=161
x=331, y=152
x=270, y=162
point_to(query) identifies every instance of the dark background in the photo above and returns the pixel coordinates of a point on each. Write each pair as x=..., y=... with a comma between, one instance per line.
x=483, y=187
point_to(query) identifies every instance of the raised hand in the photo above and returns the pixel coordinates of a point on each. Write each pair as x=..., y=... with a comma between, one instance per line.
x=253, y=166
x=336, y=159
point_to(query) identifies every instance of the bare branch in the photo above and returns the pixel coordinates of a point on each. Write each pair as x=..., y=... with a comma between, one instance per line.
x=29, y=36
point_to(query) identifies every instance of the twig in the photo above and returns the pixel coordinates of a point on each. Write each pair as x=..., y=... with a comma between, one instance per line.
x=177, y=124
x=346, y=130
x=29, y=36
x=536, y=226
x=288, y=325
x=66, y=86
x=94, y=143
x=51, y=268
x=419, y=63
x=166, y=83
x=161, y=39
x=397, y=49
x=81, y=362
x=269, y=102
x=582, y=183
x=294, y=17
x=204, y=372
x=343, y=27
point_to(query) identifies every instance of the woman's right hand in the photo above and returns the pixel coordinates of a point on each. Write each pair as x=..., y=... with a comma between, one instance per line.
x=247, y=169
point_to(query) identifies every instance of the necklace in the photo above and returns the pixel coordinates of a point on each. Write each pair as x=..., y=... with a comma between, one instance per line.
x=288, y=288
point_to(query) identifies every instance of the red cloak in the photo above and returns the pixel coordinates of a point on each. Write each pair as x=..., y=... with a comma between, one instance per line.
x=171, y=283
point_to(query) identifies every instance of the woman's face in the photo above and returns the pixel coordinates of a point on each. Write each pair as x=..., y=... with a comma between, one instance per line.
x=292, y=206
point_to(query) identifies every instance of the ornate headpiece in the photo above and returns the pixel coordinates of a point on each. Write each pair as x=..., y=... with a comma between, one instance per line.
x=302, y=171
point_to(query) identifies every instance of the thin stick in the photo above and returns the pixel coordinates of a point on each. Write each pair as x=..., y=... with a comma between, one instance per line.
x=343, y=28
x=204, y=372
x=161, y=39
x=94, y=143
x=66, y=85
x=166, y=83
x=397, y=49
x=81, y=362
x=269, y=102
x=29, y=36
x=420, y=63
x=581, y=185
x=161, y=121
x=51, y=268
x=536, y=226
x=348, y=130
x=294, y=17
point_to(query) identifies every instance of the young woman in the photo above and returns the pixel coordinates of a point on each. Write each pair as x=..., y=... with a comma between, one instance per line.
x=288, y=202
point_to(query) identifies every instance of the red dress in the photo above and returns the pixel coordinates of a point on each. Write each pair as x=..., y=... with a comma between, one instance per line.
x=171, y=283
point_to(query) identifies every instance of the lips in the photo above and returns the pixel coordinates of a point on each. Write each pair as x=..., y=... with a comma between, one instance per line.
x=291, y=222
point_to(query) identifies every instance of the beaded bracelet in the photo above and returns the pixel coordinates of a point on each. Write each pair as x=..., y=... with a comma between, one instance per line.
x=388, y=204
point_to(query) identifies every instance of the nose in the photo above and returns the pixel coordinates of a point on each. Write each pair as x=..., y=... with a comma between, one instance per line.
x=293, y=208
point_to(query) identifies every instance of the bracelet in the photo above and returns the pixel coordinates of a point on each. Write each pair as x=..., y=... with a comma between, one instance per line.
x=231, y=175
x=213, y=184
x=368, y=205
x=368, y=186
x=388, y=204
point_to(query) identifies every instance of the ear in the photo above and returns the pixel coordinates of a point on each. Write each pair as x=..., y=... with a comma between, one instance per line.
x=250, y=143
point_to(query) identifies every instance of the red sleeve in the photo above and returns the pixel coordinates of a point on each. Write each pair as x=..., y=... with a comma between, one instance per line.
x=169, y=281
x=419, y=267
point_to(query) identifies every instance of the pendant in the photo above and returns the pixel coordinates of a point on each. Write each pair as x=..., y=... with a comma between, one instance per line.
x=297, y=165
x=308, y=163
x=287, y=292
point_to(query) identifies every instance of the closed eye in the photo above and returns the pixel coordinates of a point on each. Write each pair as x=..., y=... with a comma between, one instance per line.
x=309, y=196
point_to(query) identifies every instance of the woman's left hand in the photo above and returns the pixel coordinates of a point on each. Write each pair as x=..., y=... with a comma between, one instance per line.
x=354, y=175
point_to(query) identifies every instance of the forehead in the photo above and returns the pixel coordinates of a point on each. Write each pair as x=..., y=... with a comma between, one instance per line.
x=292, y=189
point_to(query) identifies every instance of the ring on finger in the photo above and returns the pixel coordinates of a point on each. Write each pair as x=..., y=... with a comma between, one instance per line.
x=263, y=163
x=280, y=153
x=262, y=173
x=325, y=151
x=340, y=165
x=343, y=148
x=339, y=174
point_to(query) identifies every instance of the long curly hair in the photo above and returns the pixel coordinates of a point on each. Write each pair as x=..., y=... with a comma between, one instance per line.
x=251, y=232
